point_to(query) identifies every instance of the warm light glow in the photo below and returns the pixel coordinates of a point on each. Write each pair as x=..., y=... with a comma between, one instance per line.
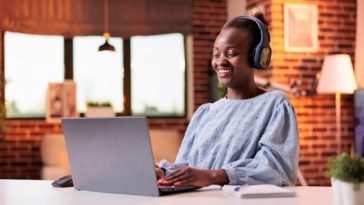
x=106, y=35
x=337, y=75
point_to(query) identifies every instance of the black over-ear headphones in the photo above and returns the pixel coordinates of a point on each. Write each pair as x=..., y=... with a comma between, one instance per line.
x=262, y=52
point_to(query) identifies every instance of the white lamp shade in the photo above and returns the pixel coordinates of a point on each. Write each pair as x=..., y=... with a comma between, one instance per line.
x=337, y=75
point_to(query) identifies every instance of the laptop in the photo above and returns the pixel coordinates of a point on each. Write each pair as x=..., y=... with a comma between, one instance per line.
x=112, y=155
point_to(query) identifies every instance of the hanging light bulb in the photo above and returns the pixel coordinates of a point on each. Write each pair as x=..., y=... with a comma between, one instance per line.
x=106, y=46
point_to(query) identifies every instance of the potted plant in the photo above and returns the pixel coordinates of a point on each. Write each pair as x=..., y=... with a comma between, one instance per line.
x=347, y=179
x=99, y=109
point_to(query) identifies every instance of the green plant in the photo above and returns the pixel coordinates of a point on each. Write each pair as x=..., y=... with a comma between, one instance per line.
x=221, y=91
x=346, y=168
x=98, y=104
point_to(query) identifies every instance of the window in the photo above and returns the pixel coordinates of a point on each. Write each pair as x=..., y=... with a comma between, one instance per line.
x=98, y=76
x=31, y=61
x=158, y=75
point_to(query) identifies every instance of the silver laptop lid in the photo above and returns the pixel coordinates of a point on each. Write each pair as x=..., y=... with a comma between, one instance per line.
x=111, y=155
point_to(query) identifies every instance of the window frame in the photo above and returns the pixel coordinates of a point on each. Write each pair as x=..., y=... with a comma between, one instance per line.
x=68, y=75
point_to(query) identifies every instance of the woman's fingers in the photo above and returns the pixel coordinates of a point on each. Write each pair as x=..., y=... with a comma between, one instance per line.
x=186, y=182
x=181, y=177
x=179, y=172
x=159, y=172
x=184, y=175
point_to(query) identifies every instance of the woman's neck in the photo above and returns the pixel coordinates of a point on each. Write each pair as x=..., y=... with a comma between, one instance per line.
x=247, y=91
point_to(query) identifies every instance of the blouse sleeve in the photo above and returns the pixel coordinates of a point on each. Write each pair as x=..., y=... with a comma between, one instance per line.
x=187, y=142
x=276, y=159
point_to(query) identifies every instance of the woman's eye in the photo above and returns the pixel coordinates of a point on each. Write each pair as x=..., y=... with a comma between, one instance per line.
x=215, y=55
x=231, y=54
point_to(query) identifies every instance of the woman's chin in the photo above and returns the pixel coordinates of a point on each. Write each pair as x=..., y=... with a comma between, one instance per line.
x=224, y=81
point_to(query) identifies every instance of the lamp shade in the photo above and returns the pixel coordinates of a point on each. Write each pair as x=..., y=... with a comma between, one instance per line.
x=337, y=75
x=106, y=47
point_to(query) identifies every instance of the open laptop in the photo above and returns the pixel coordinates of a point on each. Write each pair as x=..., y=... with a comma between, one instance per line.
x=112, y=155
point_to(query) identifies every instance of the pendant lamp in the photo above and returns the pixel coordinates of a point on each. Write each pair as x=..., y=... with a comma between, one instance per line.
x=106, y=46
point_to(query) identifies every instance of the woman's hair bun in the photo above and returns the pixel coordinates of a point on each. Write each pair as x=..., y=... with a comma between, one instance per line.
x=260, y=16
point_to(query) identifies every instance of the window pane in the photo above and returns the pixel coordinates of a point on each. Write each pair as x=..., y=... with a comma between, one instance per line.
x=98, y=75
x=31, y=62
x=158, y=75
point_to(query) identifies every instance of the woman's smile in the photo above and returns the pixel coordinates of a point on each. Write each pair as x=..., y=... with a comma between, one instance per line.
x=224, y=72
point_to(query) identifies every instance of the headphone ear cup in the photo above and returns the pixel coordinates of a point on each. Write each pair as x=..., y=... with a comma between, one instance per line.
x=255, y=58
x=261, y=57
x=253, y=62
x=265, y=57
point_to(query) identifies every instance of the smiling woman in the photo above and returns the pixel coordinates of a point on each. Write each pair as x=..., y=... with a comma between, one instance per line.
x=248, y=137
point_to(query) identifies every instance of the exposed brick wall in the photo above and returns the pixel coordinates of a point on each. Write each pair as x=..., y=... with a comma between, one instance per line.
x=20, y=154
x=316, y=114
x=208, y=18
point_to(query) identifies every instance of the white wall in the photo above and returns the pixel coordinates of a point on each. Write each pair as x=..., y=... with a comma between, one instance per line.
x=236, y=8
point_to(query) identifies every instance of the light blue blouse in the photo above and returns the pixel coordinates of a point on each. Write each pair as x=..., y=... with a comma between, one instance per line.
x=254, y=140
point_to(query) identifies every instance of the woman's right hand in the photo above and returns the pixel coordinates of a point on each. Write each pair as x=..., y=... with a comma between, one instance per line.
x=188, y=176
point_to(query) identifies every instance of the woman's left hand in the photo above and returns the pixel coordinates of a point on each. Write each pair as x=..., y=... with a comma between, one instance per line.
x=158, y=171
x=188, y=176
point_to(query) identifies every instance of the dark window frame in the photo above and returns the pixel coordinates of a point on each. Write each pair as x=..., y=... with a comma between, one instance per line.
x=68, y=75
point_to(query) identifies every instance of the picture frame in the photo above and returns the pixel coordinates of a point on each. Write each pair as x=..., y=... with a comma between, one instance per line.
x=300, y=28
x=61, y=101
x=359, y=121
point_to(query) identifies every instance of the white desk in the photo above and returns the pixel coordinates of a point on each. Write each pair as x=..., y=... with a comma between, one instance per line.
x=39, y=192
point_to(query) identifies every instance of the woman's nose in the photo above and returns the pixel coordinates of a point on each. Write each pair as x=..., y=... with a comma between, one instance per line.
x=222, y=61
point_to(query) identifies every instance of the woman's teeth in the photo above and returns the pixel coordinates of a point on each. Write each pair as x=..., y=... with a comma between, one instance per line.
x=222, y=71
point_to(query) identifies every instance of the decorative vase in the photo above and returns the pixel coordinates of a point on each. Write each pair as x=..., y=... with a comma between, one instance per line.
x=344, y=193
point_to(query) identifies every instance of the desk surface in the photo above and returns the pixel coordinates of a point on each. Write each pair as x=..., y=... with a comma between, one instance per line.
x=20, y=192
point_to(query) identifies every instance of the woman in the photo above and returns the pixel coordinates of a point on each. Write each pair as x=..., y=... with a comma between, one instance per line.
x=248, y=137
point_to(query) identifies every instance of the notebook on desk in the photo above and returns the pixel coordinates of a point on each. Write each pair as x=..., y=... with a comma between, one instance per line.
x=258, y=191
x=112, y=155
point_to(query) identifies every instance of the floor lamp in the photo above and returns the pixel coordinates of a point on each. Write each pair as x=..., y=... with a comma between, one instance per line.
x=337, y=76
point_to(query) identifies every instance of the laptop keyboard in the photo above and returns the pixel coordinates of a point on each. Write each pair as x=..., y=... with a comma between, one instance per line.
x=164, y=188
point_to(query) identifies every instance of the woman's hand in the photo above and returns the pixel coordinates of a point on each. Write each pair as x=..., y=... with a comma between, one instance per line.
x=158, y=171
x=188, y=176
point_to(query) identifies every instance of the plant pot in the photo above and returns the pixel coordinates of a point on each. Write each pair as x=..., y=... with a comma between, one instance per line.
x=102, y=111
x=344, y=193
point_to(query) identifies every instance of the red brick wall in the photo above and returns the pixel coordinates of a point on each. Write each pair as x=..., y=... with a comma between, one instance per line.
x=208, y=18
x=19, y=153
x=316, y=114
